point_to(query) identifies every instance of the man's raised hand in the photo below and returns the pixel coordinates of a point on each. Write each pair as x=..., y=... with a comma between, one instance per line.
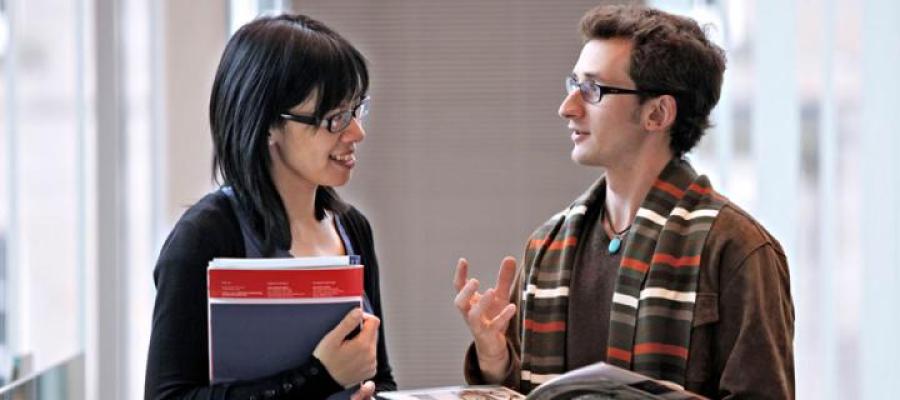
x=487, y=315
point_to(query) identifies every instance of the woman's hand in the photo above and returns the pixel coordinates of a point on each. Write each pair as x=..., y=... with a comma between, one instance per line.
x=365, y=392
x=350, y=361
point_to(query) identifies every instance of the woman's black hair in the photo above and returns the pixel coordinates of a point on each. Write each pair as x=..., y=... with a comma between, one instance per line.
x=269, y=66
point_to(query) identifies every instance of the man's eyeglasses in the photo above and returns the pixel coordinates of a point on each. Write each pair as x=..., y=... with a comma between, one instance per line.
x=338, y=122
x=592, y=92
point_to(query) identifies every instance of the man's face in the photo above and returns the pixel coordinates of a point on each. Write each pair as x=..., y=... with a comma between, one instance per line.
x=605, y=134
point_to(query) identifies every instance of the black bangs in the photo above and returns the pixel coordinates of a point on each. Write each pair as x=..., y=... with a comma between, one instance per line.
x=327, y=61
x=345, y=81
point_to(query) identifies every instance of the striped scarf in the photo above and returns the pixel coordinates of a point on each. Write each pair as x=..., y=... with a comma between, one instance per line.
x=653, y=303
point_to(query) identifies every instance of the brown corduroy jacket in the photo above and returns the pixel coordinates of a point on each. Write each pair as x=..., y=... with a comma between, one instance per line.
x=743, y=328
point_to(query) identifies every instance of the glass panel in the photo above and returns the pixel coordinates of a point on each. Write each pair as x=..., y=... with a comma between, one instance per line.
x=798, y=162
x=42, y=130
x=4, y=195
x=140, y=23
x=243, y=11
x=60, y=382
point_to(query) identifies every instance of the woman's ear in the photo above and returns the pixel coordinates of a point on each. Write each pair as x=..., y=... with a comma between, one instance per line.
x=660, y=113
x=275, y=132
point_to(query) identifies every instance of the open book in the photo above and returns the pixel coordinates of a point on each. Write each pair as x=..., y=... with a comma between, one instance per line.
x=267, y=315
x=483, y=392
x=593, y=382
x=604, y=381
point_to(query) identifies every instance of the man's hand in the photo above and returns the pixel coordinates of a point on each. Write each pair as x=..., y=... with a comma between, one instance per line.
x=350, y=361
x=487, y=315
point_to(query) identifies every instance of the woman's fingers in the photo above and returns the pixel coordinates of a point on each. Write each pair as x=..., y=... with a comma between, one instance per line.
x=370, y=328
x=365, y=392
x=343, y=328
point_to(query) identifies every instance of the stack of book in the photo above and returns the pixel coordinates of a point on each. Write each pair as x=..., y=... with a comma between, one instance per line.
x=266, y=316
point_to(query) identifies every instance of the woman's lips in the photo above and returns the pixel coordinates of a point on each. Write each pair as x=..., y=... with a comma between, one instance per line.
x=347, y=160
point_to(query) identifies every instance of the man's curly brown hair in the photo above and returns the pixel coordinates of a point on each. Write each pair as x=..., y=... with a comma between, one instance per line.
x=670, y=54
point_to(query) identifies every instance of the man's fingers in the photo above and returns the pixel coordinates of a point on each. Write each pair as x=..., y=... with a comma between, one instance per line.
x=501, y=321
x=505, y=277
x=462, y=271
x=462, y=299
x=476, y=314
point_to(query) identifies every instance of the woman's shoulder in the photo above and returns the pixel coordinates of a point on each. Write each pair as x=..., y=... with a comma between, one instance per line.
x=357, y=227
x=206, y=230
x=351, y=215
x=211, y=220
x=213, y=210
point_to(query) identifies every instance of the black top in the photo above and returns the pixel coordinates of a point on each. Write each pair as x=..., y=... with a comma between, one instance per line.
x=178, y=360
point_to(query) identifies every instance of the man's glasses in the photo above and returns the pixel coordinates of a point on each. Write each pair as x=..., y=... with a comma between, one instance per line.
x=592, y=92
x=337, y=122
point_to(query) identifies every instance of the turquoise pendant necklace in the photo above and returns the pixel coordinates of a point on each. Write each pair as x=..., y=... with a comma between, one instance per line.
x=615, y=243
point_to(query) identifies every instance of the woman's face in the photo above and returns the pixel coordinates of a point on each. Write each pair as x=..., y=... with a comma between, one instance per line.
x=312, y=155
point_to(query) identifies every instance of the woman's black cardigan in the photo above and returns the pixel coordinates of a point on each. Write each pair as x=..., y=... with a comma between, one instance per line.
x=178, y=360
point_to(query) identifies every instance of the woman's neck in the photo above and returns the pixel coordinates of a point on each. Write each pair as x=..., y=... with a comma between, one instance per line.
x=309, y=235
x=298, y=197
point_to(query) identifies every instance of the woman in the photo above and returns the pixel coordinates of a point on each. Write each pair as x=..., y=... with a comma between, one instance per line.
x=285, y=113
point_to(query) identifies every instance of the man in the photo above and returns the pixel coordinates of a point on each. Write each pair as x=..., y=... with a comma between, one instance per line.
x=650, y=269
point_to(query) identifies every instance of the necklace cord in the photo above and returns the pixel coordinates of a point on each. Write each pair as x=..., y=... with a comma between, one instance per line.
x=605, y=217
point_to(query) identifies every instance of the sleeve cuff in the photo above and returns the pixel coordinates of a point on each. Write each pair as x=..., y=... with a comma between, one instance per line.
x=473, y=373
x=314, y=379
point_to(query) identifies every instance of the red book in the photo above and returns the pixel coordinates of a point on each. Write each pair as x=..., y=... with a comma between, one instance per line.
x=267, y=315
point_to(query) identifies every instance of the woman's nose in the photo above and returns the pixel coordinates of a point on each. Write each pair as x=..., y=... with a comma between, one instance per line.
x=354, y=132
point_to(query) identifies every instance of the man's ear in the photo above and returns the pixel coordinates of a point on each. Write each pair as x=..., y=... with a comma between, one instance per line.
x=659, y=113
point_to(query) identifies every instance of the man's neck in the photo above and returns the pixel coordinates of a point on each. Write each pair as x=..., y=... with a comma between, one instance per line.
x=627, y=186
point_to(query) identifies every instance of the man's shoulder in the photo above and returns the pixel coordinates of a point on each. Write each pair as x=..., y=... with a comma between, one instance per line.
x=734, y=236
x=739, y=229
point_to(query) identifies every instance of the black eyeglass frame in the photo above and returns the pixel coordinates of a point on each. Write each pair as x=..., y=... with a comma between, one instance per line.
x=585, y=87
x=345, y=117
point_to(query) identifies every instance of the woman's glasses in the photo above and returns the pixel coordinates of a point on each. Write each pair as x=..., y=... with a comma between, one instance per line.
x=337, y=122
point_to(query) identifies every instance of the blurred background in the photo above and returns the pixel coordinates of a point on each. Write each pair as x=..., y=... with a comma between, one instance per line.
x=104, y=142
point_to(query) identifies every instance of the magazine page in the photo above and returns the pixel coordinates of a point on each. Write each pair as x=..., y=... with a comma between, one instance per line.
x=484, y=392
x=601, y=381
